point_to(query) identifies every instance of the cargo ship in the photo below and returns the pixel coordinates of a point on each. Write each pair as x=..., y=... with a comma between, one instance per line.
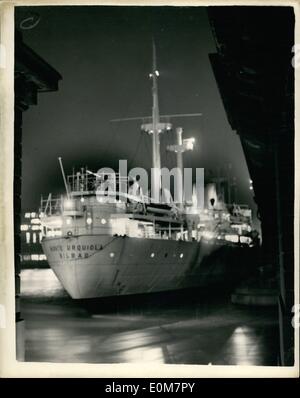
x=108, y=236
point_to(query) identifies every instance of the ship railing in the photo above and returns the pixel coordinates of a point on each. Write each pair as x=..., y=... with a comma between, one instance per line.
x=163, y=233
x=230, y=212
x=86, y=181
x=51, y=205
x=170, y=233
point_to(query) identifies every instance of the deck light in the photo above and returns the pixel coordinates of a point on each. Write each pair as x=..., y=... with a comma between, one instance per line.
x=189, y=143
x=68, y=204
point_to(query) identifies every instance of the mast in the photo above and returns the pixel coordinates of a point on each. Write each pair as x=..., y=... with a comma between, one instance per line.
x=156, y=162
x=155, y=128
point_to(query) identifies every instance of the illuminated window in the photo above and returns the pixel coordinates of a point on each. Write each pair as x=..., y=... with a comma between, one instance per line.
x=232, y=238
x=112, y=254
x=152, y=255
x=26, y=257
x=27, y=215
x=42, y=257
x=181, y=255
x=24, y=227
x=34, y=238
x=40, y=237
x=89, y=221
x=245, y=239
x=103, y=221
x=36, y=227
x=35, y=221
x=35, y=257
x=27, y=237
x=33, y=215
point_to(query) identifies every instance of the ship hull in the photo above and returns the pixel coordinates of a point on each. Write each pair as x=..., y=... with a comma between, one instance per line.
x=94, y=266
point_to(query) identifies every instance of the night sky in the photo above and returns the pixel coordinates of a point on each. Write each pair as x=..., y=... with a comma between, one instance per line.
x=104, y=55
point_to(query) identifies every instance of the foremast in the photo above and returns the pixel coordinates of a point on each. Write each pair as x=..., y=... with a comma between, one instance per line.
x=155, y=128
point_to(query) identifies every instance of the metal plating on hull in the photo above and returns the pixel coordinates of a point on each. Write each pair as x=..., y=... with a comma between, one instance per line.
x=121, y=265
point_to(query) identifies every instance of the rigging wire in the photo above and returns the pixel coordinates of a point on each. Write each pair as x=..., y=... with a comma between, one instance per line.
x=135, y=152
x=169, y=155
x=148, y=151
x=112, y=139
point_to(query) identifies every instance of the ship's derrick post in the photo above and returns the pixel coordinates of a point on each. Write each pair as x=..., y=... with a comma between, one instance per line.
x=181, y=146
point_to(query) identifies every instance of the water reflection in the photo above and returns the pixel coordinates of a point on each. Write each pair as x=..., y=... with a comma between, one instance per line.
x=143, y=355
x=62, y=330
x=242, y=345
x=41, y=283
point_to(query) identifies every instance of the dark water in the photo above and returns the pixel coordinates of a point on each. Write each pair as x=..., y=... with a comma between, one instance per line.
x=198, y=328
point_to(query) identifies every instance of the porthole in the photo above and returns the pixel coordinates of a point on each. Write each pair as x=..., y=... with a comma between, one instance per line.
x=181, y=255
x=152, y=255
x=112, y=254
x=103, y=221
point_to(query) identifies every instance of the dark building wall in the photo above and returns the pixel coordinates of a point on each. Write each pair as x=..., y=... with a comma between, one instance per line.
x=254, y=72
x=32, y=76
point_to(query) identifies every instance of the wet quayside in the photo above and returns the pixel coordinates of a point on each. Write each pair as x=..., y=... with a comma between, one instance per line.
x=202, y=330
